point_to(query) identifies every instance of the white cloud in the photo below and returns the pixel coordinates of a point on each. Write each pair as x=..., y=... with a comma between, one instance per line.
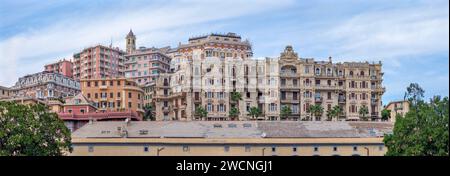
x=41, y=45
x=392, y=33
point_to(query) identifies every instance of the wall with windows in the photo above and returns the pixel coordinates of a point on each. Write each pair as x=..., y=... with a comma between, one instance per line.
x=213, y=149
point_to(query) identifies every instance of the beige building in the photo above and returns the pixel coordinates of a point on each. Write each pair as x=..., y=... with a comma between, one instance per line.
x=269, y=84
x=398, y=107
x=113, y=94
x=4, y=92
x=236, y=138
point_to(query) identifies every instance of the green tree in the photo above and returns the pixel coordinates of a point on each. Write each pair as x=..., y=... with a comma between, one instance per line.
x=234, y=113
x=363, y=111
x=201, y=112
x=423, y=131
x=336, y=111
x=254, y=112
x=285, y=112
x=414, y=93
x=148, y=113
x=385, y=114
x=235, y=98
x=316, y=110
x=31, y=130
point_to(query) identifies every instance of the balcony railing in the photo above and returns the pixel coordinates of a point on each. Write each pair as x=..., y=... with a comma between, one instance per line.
x=318, y=99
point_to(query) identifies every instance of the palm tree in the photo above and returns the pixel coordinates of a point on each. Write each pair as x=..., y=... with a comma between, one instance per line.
x=316, y=110
x=235, y=98
x=234, y=113
x=201, y=112
x=285, y=112
x=254, y=112
x=336, y=111
x=148, y=113
x=363, y=112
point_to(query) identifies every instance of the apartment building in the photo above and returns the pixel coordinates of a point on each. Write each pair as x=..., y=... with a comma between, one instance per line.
x=228, y=45
x=232, y=138
x=64, y=67
x=4, y=92
x=113, y=94
x=397, y=107
x=144, y=64
x=45, y=85
x=98, y=62
x=270, y=85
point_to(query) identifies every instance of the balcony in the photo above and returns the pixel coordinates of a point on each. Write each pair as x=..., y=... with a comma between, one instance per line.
x=318, y=99
x=325, y=87
x=341, y=99
x=104, y=87
x=165, y=108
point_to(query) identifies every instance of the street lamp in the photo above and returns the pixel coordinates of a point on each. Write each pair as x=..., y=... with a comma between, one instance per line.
x=159, y=150
x=367, y=150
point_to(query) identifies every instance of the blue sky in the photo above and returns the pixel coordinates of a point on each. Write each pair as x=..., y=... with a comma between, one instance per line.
x=410, y=37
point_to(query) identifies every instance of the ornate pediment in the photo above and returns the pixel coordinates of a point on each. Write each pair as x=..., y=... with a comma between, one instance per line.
x=289, y=54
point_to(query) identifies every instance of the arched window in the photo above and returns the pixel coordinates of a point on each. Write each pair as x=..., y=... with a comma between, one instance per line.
x=351, y=73
x=329, y=72
x=362, y=73
x=317, y=71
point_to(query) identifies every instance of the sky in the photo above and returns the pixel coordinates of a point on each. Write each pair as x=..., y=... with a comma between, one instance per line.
x=410, y=37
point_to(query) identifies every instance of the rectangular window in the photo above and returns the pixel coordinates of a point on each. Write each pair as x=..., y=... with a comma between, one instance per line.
x=294, y=149
x=355, y=148
x=129, y=104
x=247, y=148
x=335, y=149
x=227, y=148
x=91, y=149
x=146, y=148
x=316, y=149
x=185, y=148
x=274, y=149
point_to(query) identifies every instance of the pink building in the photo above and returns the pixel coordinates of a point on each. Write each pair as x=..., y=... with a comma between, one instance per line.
x=79, y=110
x=98, y=62
x=64, y=67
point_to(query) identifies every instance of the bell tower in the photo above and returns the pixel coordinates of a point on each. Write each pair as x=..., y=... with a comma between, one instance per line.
x=131, y=42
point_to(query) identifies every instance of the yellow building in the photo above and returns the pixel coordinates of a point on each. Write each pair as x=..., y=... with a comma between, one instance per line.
x=113, y=94
x=233, y=138
x=397, y=107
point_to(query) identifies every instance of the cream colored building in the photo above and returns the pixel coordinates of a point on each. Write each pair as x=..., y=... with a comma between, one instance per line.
x=4, y=92
x=268, y=84
x=398, y=107
x=236, y=138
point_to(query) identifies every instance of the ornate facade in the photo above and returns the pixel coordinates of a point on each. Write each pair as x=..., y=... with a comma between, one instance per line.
x=269, y=84
x=44, y=85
